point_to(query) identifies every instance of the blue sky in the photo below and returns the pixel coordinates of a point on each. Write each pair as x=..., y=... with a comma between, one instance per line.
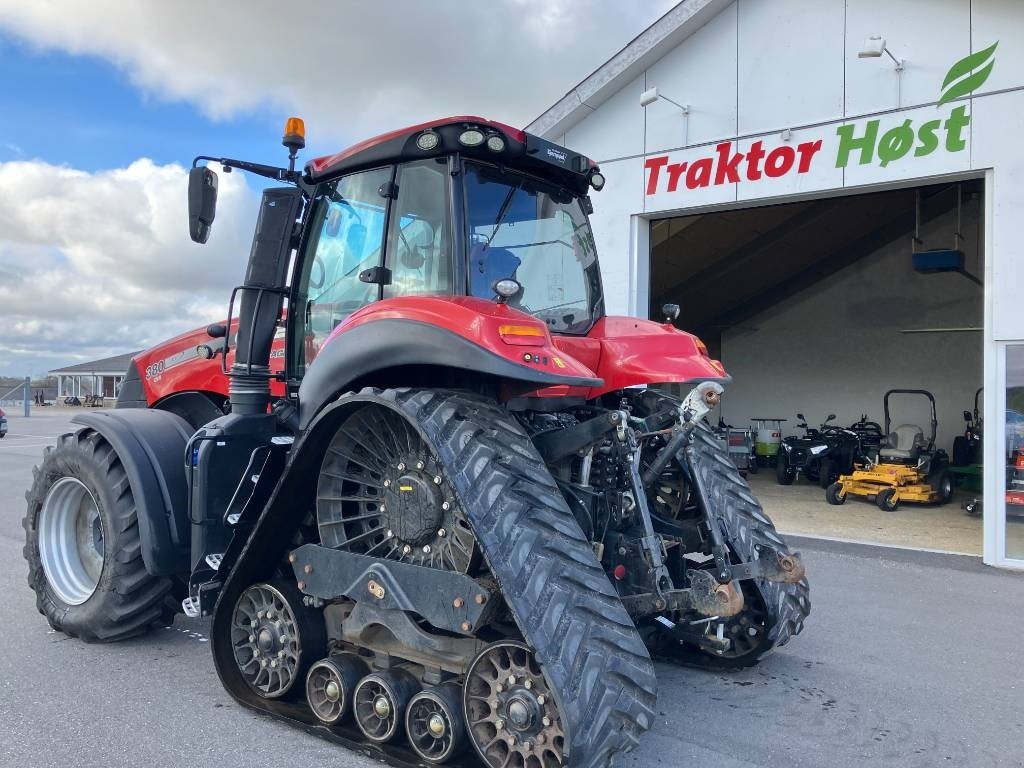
x=84, y=112
x=104, y=103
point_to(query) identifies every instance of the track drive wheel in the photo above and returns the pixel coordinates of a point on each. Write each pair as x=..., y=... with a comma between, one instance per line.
x=886, y=500
x=834, y=494
x=511, y=715
x=274, y=638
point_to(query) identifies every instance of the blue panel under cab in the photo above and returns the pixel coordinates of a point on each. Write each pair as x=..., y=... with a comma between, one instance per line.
x=939, y=261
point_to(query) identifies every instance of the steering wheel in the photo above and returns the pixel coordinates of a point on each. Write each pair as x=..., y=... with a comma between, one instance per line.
x=317, y=282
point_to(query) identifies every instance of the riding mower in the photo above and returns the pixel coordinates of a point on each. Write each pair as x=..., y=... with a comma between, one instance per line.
x=966, y=460
x=909, y=467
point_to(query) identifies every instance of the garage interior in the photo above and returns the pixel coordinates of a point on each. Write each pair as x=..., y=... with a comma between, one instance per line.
x=815, y=307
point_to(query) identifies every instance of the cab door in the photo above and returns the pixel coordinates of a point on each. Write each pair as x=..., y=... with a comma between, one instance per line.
x=347, y=236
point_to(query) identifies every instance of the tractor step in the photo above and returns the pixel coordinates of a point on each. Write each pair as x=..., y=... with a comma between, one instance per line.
x=214, y=560
x=190, y=606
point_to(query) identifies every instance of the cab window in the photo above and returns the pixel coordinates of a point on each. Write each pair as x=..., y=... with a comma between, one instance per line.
x=349, y=226
x=419, y=240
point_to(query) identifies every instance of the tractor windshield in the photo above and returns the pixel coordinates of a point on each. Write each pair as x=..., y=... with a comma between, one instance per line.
x=538, y=234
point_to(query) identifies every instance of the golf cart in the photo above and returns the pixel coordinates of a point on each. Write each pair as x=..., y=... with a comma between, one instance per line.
x=909, y=466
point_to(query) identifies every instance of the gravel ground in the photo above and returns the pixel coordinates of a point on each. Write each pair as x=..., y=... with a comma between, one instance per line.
x=908, y=659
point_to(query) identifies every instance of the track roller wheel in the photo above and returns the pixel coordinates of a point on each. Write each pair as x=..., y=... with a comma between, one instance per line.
x=380, y=701
x=329, y=686
x=273, y=638
x=511, y=716
x=434, y=723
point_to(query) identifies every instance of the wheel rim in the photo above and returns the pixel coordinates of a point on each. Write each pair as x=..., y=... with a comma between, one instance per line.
x=431, y=726
x=325, y=691
x=511, y=716
x=382, y=492
x=375, y=706
x=71, y=543
x=265, y=640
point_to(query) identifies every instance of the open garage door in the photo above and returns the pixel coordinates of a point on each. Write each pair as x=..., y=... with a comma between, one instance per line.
x=821, y=307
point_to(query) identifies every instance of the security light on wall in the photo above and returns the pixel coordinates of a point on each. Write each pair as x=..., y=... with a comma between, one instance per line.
x=874, y=47
x=651, y=95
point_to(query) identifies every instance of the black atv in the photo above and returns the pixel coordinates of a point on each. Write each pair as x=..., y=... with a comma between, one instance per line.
x=825, y=453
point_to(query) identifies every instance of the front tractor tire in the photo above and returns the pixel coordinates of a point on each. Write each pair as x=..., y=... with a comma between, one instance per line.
x=82, y=544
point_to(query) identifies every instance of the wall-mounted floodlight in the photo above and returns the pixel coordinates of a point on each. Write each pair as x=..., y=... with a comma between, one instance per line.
x=651, y=95
x=874, y=47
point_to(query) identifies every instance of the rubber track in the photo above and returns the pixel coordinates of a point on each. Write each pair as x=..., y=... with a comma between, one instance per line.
x=563, y=602
x=128, y=601
x=746, y=528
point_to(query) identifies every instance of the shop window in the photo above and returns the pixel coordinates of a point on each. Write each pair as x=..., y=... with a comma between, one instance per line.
x=1015, y=452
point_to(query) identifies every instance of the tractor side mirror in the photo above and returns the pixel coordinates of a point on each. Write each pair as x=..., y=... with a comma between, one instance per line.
x=830, y=417
x=202, y=202
x=967, y=416
x=801, y=417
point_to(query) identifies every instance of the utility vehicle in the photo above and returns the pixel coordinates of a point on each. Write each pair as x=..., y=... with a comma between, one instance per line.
x=421, y=483
x=825, y=453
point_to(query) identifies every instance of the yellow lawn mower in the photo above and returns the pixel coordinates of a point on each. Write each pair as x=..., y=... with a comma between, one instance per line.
x=909, y=467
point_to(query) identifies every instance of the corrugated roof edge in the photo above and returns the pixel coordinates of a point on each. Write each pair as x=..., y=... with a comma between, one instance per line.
x=118, y=364
x=645, y=49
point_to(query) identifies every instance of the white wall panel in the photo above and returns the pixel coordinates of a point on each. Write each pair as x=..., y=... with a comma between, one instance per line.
x=930, y=35
x=813, y=149
x=615, y=129
x=673, y=189
x=885, y=167
x=998, y=128
x=1001, y=20
x=701, y=73
x=790, y=63
x=613, y=205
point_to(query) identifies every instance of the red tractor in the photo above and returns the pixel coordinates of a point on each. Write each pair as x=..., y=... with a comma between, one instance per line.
x=421, y=483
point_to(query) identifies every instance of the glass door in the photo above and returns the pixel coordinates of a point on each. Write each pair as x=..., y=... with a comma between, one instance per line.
x=1013, y=420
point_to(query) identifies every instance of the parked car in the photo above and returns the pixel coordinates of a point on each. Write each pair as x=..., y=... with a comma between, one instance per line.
x=3, y=423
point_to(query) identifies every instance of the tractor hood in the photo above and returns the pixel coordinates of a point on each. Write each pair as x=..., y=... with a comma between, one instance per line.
x=628, y=351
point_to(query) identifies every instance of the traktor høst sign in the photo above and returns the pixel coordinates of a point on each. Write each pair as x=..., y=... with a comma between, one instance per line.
x=862, y=142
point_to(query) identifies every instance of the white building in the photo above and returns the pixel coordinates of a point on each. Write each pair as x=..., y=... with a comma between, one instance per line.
x=766, y=161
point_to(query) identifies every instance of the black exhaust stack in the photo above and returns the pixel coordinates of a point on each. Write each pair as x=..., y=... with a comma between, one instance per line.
x=261, y=299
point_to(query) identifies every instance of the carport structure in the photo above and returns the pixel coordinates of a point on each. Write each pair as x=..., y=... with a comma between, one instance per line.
x=98, y=377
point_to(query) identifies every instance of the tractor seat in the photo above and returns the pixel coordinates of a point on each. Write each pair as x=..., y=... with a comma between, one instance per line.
x=904, y=444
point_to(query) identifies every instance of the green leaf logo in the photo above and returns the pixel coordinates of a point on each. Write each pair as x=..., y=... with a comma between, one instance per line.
x=968, y=74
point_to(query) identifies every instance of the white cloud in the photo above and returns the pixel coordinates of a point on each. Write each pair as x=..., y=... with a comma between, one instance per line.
x=99, y=264
x=351, y=69
x=93, y=264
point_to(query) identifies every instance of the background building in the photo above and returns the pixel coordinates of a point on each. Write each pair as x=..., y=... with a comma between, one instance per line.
x=773, y=166
x=99, y=377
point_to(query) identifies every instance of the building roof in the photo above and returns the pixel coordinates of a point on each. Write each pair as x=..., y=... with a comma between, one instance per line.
x=622, y=68
x=116, y=365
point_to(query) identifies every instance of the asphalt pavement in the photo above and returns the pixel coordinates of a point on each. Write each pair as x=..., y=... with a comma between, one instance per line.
x=908, y=659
